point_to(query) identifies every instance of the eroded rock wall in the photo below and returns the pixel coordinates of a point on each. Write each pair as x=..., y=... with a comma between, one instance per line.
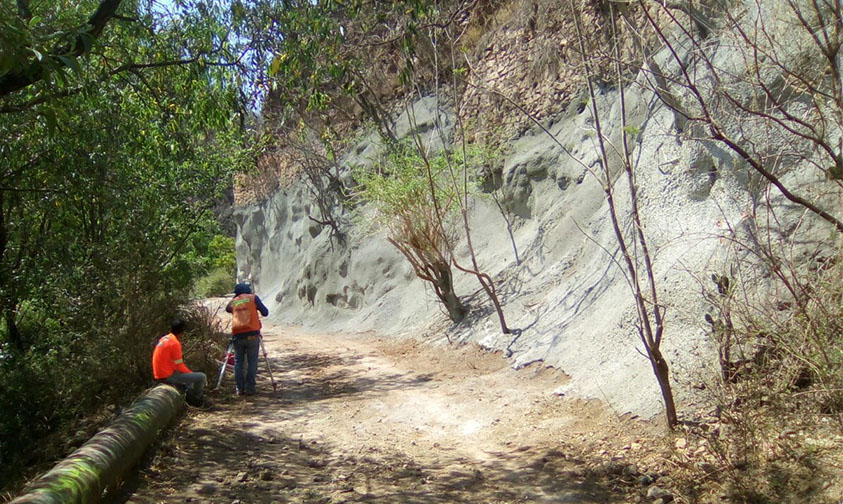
x=565, y=292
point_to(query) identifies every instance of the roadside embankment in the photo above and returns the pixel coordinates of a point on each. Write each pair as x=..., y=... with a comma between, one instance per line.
x=100, y=463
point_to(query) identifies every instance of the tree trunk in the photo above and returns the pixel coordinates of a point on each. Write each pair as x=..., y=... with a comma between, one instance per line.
x=102, y=461
x=12, y=331
x=445, y=292
x=456, y=310
x=662, y=373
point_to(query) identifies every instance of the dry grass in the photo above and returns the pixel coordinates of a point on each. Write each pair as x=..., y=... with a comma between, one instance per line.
x=775, y=430
x=206, y=338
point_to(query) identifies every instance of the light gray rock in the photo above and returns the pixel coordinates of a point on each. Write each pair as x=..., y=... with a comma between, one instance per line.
x=567, y=295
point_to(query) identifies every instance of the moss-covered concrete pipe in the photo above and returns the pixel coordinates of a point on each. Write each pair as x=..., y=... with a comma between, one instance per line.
x=84, y=475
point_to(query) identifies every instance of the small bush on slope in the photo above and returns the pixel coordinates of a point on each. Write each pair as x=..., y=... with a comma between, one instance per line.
x=774, y=432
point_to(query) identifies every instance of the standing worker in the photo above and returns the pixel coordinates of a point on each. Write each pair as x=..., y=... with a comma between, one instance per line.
x=246, y=333
x=168, y=364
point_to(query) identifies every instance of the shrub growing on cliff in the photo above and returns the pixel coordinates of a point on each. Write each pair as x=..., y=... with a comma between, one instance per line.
x=772, y=433
x=416, y=202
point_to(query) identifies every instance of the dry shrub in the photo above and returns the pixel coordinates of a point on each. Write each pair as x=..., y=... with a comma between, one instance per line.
x=206, y=337
x=546, y=61
x=773, y=434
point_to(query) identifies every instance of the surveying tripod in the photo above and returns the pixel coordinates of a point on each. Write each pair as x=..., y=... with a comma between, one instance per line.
x=228, y=360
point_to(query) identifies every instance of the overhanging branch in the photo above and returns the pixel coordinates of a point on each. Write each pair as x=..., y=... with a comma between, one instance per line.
x=34, y=71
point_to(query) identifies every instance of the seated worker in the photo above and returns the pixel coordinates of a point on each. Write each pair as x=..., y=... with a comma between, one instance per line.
x=246, y=333
x=168, y=364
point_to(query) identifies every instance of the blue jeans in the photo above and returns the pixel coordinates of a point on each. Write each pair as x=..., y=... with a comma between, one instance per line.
x=247, y=347
x=193, y=382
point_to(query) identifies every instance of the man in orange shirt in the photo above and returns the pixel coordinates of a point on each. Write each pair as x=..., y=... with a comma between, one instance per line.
x=168, y=364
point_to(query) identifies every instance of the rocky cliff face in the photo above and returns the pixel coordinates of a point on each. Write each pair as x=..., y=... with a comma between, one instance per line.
x=565, y=292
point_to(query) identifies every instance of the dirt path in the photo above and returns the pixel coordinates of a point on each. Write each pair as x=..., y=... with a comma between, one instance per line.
x=360, y=419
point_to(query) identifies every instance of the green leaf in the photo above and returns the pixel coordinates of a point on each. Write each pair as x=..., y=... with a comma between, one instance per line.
x=631, y=130
x=7, y=62
x=50, y=118
x=71, y=63
x=62, y=76
x=87, y=41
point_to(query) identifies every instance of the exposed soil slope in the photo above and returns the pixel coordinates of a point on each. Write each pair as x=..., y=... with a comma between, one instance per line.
x=361, y=419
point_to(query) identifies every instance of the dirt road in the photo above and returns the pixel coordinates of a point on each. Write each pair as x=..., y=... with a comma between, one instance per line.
x=361, y=419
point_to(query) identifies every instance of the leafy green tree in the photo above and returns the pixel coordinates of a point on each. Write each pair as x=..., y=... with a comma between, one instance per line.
x=33, y=47
x=121, y=124
x=221, y=251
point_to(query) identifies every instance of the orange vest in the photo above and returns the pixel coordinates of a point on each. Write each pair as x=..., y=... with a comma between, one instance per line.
x=167, y=358
x=244, y=313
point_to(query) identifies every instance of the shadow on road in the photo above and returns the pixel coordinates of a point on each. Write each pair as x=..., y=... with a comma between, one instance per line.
x=230, y=454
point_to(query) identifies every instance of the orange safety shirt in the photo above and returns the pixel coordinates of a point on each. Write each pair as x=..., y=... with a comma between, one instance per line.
x=245, y=314
x=167, y=358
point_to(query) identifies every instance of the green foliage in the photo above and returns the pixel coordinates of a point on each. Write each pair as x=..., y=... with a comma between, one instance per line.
x=631, y=130
x=399, y=191
x=217, y=282
x=112, y=165
x=204, y=251
x=409, y=192
x=28, y=42
x=221, y=252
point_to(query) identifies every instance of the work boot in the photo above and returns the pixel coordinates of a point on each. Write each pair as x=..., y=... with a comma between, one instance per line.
x=200, y=403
